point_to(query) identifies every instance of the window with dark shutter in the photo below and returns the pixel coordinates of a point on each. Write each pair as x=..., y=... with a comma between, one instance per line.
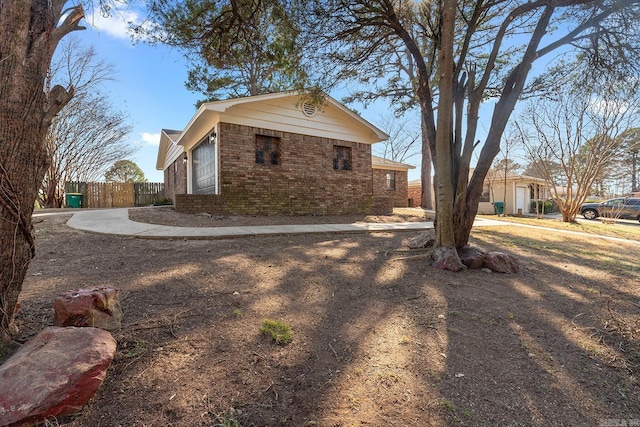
x=268, y=150
x=341, y=158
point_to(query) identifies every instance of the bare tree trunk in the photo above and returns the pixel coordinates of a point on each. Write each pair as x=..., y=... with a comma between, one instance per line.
x=427, y=182
x=28, y=36
x=445, y=254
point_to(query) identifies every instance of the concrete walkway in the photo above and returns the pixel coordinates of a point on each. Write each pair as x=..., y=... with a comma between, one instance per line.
x=117, y=222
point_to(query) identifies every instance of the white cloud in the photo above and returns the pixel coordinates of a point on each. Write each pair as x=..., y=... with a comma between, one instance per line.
x=150, y=138
x=117, y=24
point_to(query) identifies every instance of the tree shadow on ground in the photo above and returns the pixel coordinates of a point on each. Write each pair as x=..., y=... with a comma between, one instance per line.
x=377, y=341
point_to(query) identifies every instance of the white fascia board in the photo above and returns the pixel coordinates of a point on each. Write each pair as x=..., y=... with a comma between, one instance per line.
x=197, y=129
x=162, y=152
x=195, y=117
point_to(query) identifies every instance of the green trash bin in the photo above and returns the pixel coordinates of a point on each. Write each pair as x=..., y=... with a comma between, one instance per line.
x=74, y=200
x=498, y=208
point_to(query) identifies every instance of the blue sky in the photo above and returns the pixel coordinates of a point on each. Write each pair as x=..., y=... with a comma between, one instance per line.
x=149, y=86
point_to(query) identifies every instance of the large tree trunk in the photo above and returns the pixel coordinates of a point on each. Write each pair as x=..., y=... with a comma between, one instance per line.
x=446, y=255
x=28, y=36
x=425, y=174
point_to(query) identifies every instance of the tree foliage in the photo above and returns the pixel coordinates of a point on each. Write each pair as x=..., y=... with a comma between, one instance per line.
x=627, y=163
x=88, y=135
x=124, y=171
x=581, y=132
x=237, y=48
x=495, y=46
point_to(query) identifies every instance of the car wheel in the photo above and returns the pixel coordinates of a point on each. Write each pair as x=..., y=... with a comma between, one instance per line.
x=590, y=214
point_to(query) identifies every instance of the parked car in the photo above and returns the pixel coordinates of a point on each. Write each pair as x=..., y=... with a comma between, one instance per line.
x=623, y=208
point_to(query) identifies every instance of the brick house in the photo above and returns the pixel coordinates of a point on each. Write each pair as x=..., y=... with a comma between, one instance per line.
x=276, y=154
x=391, y=179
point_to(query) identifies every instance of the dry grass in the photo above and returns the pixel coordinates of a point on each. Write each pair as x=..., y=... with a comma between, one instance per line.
x=622, y=229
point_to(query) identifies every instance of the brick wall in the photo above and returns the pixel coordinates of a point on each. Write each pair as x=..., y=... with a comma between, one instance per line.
x=415, y=194
x=304, y=182
x=399, y=194
x=175, y=179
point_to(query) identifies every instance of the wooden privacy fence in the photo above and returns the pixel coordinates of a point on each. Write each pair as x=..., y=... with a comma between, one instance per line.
x=116, y=194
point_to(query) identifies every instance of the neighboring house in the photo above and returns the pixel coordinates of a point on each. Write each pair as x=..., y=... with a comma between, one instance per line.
x=390, y=179
x=273, y=154
x=522, y=190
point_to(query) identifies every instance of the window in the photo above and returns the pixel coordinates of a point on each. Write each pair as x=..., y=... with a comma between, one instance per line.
x=391, y=180
x=341, y=158
x=175, y=171
x=614, y=203
x=267, y=150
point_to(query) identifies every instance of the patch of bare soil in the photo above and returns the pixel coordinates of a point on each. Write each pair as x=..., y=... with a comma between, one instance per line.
x=168, y=216
x=376, y=341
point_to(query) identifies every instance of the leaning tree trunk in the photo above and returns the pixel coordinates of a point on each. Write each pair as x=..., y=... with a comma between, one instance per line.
x=28, y=37
x=466, y=202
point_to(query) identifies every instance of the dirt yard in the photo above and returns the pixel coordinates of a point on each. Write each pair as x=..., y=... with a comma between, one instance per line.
x=377, y=340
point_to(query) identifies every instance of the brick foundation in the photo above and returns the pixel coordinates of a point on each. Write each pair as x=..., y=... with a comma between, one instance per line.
x=219, y=205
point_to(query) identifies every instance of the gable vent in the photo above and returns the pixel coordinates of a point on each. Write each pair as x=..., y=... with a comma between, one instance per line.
x=309, y=109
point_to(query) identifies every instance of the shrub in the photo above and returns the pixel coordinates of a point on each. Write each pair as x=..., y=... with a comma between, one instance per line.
x=544, y=206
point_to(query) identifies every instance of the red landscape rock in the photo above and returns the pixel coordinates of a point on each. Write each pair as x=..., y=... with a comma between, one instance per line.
x=53, y=374
x=447, y=259
x=99, y=308
x=425, y=239
x=472, y=257
x=501, y=262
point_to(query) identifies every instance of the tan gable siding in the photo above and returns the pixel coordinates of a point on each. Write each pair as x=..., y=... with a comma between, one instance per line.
x=174, y=153
x=285, y=115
